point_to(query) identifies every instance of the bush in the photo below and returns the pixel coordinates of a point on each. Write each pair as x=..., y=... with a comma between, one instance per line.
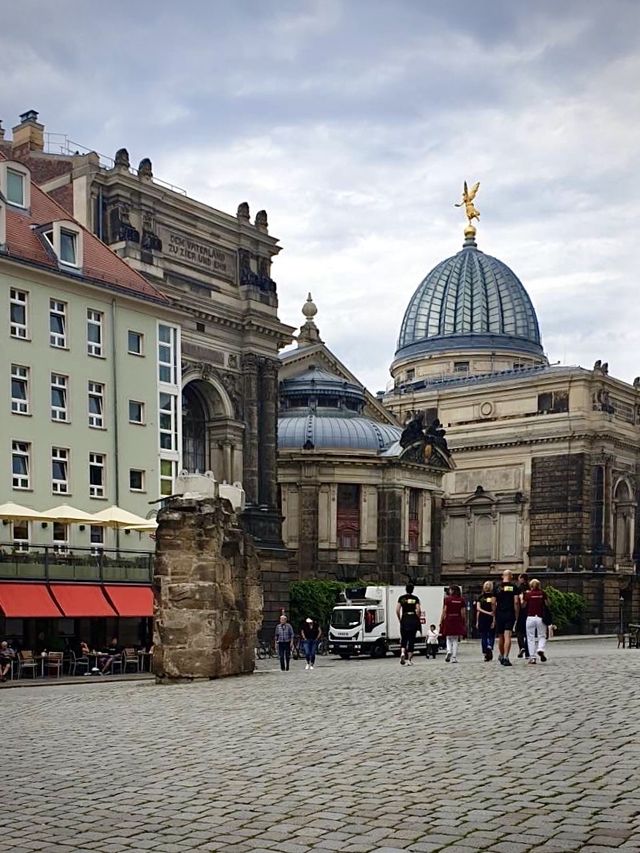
x=316, y=599
x=567, y=608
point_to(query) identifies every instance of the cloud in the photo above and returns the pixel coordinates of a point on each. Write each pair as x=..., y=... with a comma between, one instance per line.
x=354, y=123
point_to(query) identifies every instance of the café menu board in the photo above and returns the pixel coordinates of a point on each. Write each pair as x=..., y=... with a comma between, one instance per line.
x=198, y=253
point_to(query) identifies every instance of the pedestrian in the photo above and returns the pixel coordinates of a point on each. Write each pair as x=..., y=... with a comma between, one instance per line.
x=536, y=601
x=408, y=612
x=7, y=656
x=521, y=624
x=452, y=622
x=486, y=619
x=432, y=641
x=283, y=641
x=507, y=609
x=310, y=634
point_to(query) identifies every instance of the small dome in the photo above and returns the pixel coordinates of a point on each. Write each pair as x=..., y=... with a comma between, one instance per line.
x=335, y=433
x=470, y=301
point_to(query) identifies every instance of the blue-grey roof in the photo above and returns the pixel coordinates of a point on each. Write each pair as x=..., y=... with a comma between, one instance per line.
x=458, y=380
x=469, y=300
x=335, y=433
x=318, y=380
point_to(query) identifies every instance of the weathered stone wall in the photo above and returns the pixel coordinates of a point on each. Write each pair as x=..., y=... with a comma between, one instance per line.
x=208, y=592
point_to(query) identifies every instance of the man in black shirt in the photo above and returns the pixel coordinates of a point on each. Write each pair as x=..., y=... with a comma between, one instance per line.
x=408, y=612
x=507, y=609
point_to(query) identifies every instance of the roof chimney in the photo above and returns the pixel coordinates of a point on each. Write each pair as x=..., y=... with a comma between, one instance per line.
x=28, y=135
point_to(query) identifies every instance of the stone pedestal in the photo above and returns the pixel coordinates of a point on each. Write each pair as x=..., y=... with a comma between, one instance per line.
x=208, y=592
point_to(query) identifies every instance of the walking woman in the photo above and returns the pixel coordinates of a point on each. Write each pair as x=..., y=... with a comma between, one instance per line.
x=310, y=633
x=535, y=601
x=452, y=622
x=486, y=619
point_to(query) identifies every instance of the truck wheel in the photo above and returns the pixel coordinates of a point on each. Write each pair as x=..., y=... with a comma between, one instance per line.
x=345, y=655
x=378, y=651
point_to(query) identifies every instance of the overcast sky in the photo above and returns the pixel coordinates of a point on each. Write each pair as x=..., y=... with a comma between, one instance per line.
x=354, y=123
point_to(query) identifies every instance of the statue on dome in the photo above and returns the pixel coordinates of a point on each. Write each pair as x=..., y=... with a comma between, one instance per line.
x=470, y=210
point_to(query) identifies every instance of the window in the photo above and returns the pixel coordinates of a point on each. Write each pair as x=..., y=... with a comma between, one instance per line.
x=21, y=464
x=96, y=405
x=460, y=366
x=19, y=313
x=411, y=374
x=21, y=536
x=136, y=412
x=168, y=422
x=597, y=510
x=348, y=516
x=59, y=471
x=16, y=188
x=19, y=389
x=94, y=332
x=96, y=475
x=57, y=323
x=136, y=480
x=68, y=247
x=414, y=519
x=60, y=537
x=167, y=351
x=59, y=411
x=167, y=470
x=96, y=534
x=553, y=402
x=135, y=343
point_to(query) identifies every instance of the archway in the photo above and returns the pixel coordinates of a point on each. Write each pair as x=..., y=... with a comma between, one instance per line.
x=624, y=508
x=194, y=430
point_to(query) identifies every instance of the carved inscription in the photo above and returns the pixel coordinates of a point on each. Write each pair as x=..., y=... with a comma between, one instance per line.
x=199, y=253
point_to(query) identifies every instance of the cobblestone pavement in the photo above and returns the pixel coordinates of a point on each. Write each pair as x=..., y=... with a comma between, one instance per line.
x=356, y=756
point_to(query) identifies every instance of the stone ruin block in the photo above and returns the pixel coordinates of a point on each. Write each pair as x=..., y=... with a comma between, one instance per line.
x=208, y=592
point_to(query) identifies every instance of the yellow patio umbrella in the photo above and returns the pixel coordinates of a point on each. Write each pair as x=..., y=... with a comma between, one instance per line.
x=67, y=515
x=150, y=526
x=16, y=512
x=115, y=516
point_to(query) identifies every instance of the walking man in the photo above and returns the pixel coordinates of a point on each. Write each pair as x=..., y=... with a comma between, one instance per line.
x=310, y=633
x=283, y=640
x=507, y=610
x=408, y=612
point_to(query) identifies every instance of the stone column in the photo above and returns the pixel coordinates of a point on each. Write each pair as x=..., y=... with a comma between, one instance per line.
x=227, y=468
x=250, y=395
x=268, y=437
x=208, y=593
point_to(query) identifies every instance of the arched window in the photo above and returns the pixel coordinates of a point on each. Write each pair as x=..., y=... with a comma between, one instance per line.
x=194, y=431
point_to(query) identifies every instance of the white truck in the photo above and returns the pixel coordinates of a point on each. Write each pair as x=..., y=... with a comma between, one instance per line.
x=367, y=624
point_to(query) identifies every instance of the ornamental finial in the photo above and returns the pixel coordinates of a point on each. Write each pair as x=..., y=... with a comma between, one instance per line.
x=471, y=213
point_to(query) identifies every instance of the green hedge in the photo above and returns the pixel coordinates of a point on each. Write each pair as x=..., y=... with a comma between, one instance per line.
x=567, y=608
x=315, y=599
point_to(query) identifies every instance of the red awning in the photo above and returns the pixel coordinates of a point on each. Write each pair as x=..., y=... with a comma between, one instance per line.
x=81, y=599
x=27, y=600
x=131, y=600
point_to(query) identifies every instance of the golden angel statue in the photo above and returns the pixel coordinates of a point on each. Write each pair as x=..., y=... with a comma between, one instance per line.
x=468, y=196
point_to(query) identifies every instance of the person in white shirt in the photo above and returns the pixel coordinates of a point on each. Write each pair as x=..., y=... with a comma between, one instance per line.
x=432, y=641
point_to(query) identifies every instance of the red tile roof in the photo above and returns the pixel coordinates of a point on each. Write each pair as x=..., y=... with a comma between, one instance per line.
x=100, y=264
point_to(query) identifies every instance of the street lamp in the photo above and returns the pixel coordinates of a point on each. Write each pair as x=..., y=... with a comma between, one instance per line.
x=621, y=615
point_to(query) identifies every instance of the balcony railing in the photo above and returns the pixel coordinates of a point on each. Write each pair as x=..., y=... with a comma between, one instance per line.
x=61, y=563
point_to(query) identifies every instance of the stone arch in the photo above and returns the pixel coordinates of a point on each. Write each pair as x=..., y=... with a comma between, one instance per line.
x=624, y=520
x=211, y=437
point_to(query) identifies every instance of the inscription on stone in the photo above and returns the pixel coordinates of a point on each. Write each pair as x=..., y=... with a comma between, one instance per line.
x=199, y=253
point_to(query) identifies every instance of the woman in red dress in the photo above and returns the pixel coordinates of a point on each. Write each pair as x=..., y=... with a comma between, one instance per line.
x=453, y=622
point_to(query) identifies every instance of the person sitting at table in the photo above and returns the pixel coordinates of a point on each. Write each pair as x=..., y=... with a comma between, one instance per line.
x=112, y=652
x=7, y=655
x=85, y=651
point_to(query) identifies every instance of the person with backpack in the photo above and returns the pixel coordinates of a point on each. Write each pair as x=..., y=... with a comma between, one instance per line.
x=535, y=600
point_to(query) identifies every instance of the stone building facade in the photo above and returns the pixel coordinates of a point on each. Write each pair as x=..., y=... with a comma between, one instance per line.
x=215, y=268
x=358, y=500
x=546, y=476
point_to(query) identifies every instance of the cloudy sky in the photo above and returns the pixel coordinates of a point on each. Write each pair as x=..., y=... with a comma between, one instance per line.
x=354, y=123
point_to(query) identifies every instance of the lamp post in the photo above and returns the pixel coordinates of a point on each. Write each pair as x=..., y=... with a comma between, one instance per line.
x=621, y=615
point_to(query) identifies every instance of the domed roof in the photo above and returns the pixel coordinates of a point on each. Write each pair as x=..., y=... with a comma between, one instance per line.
x=319, y=381
x=469, y=301
x=335, y=433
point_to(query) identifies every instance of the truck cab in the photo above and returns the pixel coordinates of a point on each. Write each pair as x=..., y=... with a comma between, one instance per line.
x=358, y=627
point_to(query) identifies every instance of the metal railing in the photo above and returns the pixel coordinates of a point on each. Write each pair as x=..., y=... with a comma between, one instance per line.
x=62, y=563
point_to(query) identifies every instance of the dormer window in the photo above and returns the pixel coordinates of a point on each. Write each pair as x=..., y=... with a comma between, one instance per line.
x=15, y=184
x=65, y=238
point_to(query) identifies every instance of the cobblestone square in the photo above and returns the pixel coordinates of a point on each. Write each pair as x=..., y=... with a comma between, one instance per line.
x=356, y=756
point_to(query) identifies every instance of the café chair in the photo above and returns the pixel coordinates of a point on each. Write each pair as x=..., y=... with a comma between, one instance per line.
x=76, y=662
x=55, y=661
x=130, y=658
x=26, y=662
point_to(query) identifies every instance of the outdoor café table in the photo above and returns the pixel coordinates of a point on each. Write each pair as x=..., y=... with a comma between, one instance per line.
x=44, y=659
x=94, y=657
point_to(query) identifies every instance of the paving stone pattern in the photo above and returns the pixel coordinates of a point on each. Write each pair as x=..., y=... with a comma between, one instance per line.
x=356, y=756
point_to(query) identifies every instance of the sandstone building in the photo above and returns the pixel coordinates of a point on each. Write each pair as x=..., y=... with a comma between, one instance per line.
x=358, y=501
x=546, y=475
